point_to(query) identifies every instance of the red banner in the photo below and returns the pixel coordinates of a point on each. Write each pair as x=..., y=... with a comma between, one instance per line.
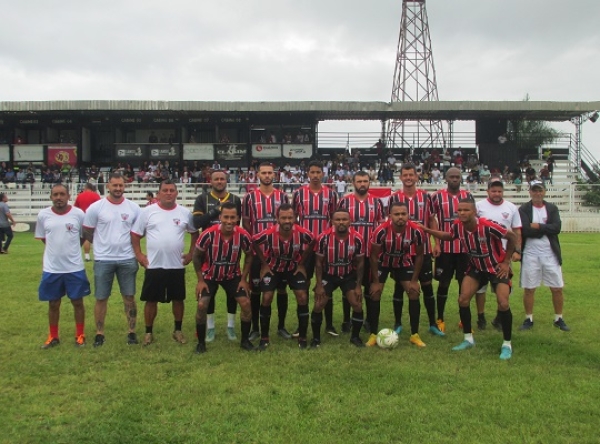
x=61, y=154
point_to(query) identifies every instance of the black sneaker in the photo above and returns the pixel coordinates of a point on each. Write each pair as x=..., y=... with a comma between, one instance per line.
x=481, y=324
x=296, y=333
x=357, y=342
x=561, y=324
x=51, y=342
x=200, y=348
x=263, y=344
x=254, y=335
x=332, y=331
x=346, y=327
x=302, y=344
x=497, y=324
x=247, y=345
x=99, y=341
x=284, y=333
x=315, y=343
x=132, y=339
x=527, y=324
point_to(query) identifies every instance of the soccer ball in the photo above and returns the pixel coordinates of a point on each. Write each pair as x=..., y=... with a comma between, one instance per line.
x=387, y=338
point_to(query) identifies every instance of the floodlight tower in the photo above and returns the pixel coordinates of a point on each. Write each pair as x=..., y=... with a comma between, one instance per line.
x=414, y=80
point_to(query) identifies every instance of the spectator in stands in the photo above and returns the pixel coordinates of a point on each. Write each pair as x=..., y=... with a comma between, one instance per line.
x=506, y=177
x=544, y=175
x=20, y=178
x=436, y=175
x=484, y=174
x=550, y=162
x=47, y=177
x=30, y=177
x=529, y=173
x=9, y=176
x=471, y=182
x=152, y=138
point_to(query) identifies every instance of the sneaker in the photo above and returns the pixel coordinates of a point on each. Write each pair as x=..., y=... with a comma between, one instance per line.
x=80, y=341
x=98, y=341
x=416, y=339
x=148, y=339
x=247, y=345
x=332, y=331
x=231, y=334
x=51, y=342
x=497, y=324
x=200, y=348
x=561, y=324
x=346, y=327
x=505, y=353
x=464, y=345
x=372, y=341
x=302, y=344
x=132, y=339
x=284, y=333
x=436, y=331
x=357, y=342
x=178, y=336
x=264, y=344
x=315, y=343
x=254, y=335
x=441, y=325
x=210, y=334
x=481, y=324
x=398, y=329
x=296, y=333
x=527, y=324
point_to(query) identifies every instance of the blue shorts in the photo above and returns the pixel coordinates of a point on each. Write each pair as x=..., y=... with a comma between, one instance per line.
x=55, y=285
x=104, y=275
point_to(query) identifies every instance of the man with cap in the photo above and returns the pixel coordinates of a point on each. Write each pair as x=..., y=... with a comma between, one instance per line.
x=499, y=210
x=541, y=262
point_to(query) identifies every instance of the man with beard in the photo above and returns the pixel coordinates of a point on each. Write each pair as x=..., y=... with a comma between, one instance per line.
x=506, y=214
x=366, y=213
x=164, y=224
x=107, y=225
x=420, y=210
x=283, y=251
x=314, y=205
x=207, y=209
x=451, y=258
x=489, y=262
x=258, y=214
x=391, y=246
x=217, y=262
x=339, y=263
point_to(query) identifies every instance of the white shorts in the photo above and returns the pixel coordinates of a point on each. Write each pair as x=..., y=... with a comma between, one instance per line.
x=536, y=270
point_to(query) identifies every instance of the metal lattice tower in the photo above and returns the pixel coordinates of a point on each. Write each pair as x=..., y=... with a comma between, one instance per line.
x=414, y=80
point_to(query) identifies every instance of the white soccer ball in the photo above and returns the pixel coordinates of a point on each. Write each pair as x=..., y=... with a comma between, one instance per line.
x=387, y=338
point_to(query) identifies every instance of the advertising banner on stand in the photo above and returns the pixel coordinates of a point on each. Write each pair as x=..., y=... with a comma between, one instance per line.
x=297, y=151
x=61, y=154
x=266, y=151
x=198, y=151
x=28, y=153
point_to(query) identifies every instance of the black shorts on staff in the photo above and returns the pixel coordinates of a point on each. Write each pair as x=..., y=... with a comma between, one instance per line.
x=163, y=285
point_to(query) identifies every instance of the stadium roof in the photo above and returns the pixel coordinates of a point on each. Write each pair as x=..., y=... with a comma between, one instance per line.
x=440, y=110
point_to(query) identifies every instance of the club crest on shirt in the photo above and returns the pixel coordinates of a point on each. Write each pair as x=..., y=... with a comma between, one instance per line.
x=351, y=249
x=505, y=215
x=124, y=216
x=177, y=222
x=70, y=227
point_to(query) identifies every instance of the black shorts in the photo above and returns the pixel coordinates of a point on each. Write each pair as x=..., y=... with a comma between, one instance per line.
x=310, y=266
x=344, y=283
x=230, y=286
x=426, y=273
x=483, y=277
x=449, y=265
x=295, y=279
x=255, y=281
x=163, y=285
x=397, y=274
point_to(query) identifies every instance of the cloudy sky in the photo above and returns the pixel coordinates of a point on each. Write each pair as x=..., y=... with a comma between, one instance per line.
x=265, y=50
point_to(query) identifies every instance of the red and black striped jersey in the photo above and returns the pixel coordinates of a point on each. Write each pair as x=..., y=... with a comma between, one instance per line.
x=261, y=209
x=314, y=210
x=222, y=257
x=483, y=245
x=280, y=254
x=338, y=254
x=396, y=247
x=419, y=210
x=365, y=215
x=445, y=208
